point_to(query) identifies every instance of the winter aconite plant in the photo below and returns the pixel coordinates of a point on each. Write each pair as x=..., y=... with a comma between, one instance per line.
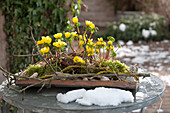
x=87, y=57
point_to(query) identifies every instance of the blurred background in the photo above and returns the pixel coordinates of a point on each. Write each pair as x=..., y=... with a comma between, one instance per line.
x=141, y=27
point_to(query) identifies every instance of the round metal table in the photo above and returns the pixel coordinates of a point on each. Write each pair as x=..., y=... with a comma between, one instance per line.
x=45, y=101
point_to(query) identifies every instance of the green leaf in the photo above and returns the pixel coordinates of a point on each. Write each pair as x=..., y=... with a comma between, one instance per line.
x=110, y=38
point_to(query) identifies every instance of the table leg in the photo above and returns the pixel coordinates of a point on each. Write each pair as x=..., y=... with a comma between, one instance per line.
x=20, y=110
x=143, y=110
x=4, y=107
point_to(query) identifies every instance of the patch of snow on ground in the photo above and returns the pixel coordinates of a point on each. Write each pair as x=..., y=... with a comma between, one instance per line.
x=144, y=48
x=166, y=61
x=139, y=60
x=129, y=43
x=137, y=110
x=151, y=68
x=166, y=79
x=121, y=42
x=160, y=110
x=99, y=96
x=165, y=41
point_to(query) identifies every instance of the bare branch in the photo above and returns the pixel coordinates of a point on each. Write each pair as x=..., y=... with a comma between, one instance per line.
x=40, y=52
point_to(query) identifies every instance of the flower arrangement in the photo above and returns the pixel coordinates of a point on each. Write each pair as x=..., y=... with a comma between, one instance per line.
x=89, y=61
x=87, y=57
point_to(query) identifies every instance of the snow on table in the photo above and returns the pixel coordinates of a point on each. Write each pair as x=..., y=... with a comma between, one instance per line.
x=99, y=96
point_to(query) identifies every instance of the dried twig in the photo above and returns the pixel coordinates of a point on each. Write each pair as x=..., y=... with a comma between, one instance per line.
x=29, y=55
x=40, y=52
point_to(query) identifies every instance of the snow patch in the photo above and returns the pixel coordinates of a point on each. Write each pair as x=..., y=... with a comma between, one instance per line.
x=140, y=96
x=139, y=60
x=99, y=96
x=166, y=79
x=122, y=27
x=70, y=96
x=129, y=43
x=160, y=110
x=121, y=42
x=165, y=41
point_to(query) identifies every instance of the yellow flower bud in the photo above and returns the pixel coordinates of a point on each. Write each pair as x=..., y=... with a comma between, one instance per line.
x=82, y=61
x=80, y=37
x=58, y=35
x=90, y=51
x=67, y=35
x=75, y=20
x=98, y=43
x=107, y=47
x=44, y=50
x=74, y=33
x=92, y=26
x=100, y=39
x=112, y=48
x=76, y=59
x=43, y=39
x=59, y=44
x=109, y=42
x=47, y=40
x=103, y=43
x=93, y=44
x=88, y=23
x=97, y=50
x=40, y=42
x=81, y=42
x=90, y=40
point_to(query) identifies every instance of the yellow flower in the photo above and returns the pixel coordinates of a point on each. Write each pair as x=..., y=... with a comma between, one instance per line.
x=107, y=47
x=81, y=42
x=93, y=44
x=90, y=51
x=88, y=23
x=40, y=42
x=98, y=43
x=44, y=50
x=97, y=50
x=82, y=61
x=43, y=39
x=109, y=42
x=92, y=26
x=112, y=48
x=74, y=33
x=75, y=20
x=67, y=35
x=80, y=37
x=90, y=40
x=46, y=39
x=58, y=35
x=59, y=44
x=100, y=39
x=76, y=59
x=103, y=43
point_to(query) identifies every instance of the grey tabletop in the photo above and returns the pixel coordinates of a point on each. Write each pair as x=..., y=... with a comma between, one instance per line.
x=45, y=101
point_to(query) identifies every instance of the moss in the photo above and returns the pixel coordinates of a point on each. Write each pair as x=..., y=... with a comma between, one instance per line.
x=48, y=70
x=35, y=68
x=117, y=66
